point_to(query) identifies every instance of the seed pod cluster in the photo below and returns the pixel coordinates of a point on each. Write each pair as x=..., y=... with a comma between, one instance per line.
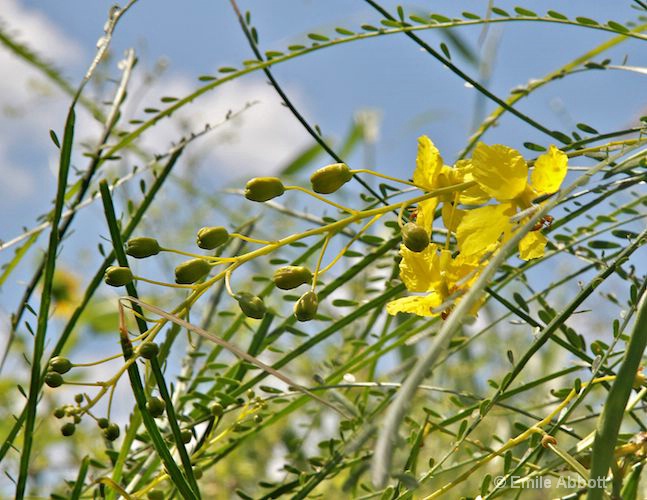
x=264, y=188
x=209, y=238
x=142, y=247
x=306, y=307
x=415, y=237
x=191, y=271
x=289, y=277
x=251, y=305
x=330, y=178
x=118, y=276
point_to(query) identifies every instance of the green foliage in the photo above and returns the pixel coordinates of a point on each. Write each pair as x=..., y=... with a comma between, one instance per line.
x=229, y=368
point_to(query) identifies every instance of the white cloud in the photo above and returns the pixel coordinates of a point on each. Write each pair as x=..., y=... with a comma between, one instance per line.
x=260, y=140
x=29, y=105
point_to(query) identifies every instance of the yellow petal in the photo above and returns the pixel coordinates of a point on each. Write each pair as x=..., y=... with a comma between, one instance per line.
x=550, y=170
x=428, y=164
x=532, y=245
x=500, y=171
x=422, y=306
x=452, y=216
x=426, y=212
x=480, y=229
x=419, y=270
x=474, y=195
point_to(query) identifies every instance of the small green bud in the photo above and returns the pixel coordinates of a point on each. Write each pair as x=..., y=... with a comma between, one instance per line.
x=103, y=422
x=258, y=418
x=329, y=179
x=216, y=409
x=60, y=364
x=191, y=271
x=111, y=432
x=211, y=237
x=289, y=277
x=53, y=379
x=186, y=436
x=68, y=429
x=251, y=305
x=155, y=407
x=77, y=419
x=197, y=472
x=78, y=398
x=155, y=495
x=415, y=237
x=306, y=307
x=264, y=188
x=118, y=276
x=59, y=412
x=149, y=350
x=142, y=247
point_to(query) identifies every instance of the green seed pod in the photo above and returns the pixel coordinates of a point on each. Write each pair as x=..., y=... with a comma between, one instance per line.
x=103, y=422
x=118, y=276
x=329, y=179
x=191, y=271
x=211, y=237
x=415, y=237
x=251, y=305
x=149, y=350
x=111, y=432
x=216, y=409
x=59, y=412
x=142, y=247
x=60, y=364
x=53, y=379
x=68, y=429
x=264, y=188
x=78, y=398
x=258, y=418
x=306, y=307
x=186, y=436
x=155, y=407
x=155, y=495
x=77, y=419
x=289, y=277
x=197, y=472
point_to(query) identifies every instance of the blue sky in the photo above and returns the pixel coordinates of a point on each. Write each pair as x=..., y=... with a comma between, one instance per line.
x=410, y=92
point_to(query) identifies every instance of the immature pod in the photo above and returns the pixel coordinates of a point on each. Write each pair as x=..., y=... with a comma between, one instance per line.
x=289, y=277
x=209, y=238
x=60, y=364
x=118, y=276
x=142, y=247
x=415, y=238
x=155, y=407
x=251, y=305
x=306, y=307
x=264, y=188
x=111, y=432
x=149, y=350
x=191, y=271
x=103, y=423
x=68, y=429
x=330, y=178
x=53, y=379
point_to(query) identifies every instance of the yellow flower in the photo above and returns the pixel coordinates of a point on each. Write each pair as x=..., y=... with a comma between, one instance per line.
x=502, y=173
x=434, y=272
x=431, y=173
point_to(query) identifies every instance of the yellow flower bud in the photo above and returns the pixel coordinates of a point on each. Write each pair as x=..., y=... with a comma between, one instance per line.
x=415, y=238
x=211, y=237
x=329, y=179
x=251, y=305
x=118, y=276
x=306, y=307
x=264, y=188
x=289, y=277
x=142, y=247
x=191, y=271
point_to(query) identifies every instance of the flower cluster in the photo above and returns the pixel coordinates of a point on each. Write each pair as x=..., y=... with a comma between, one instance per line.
x=492, y=196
